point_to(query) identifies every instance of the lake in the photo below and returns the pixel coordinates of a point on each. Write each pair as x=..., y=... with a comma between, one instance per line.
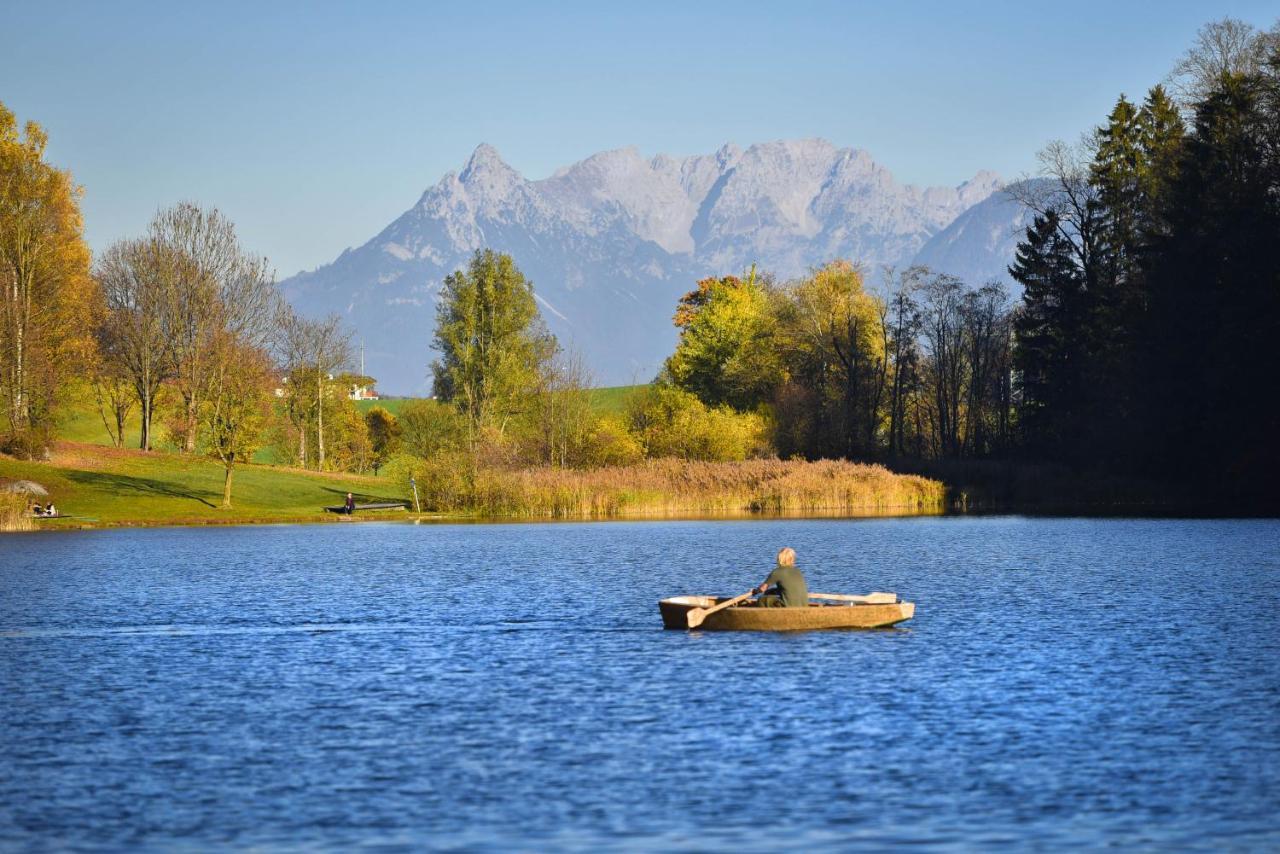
x=1065, y=682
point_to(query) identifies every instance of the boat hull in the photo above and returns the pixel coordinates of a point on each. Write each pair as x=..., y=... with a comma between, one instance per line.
x=748, y=617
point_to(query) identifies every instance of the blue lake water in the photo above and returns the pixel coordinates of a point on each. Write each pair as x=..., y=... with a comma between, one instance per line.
x=1065, y=682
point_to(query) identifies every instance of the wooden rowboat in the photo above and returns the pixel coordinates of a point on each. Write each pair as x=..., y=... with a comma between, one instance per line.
x=845, y=612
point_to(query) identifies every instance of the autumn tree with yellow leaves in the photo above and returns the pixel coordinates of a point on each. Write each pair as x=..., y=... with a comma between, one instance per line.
x=47, y=297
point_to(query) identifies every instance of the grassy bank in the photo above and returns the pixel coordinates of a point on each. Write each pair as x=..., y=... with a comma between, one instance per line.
x=93, y=485
x=668, y=487
x=97, y=486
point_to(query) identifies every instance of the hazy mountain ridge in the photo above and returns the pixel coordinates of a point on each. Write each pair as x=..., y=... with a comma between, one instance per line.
x=612, y=241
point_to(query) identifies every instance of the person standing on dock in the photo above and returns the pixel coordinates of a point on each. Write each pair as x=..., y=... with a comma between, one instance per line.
x=790, y=590
x=349, y=506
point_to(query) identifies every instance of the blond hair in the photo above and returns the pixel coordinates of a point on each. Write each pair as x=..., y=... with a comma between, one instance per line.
x=787, y=557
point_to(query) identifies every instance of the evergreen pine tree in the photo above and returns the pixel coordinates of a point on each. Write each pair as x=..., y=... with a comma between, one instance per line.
x=1212, y=357
x=1049, y=337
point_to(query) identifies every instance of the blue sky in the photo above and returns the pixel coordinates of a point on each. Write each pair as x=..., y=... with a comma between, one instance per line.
x=314, y=125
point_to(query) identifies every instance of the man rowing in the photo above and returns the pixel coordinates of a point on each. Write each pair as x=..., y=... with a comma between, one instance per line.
x=790, y=589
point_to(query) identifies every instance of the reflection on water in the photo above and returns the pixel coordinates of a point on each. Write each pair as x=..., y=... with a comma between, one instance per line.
x=1064, y=682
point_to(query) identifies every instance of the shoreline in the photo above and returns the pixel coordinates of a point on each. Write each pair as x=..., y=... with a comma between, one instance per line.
x=104, y=488
x=463, y=518
x=1132, y=512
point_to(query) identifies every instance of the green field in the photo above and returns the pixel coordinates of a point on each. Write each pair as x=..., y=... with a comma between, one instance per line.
x=391, y=404
x=612, y=400
x=96, y=485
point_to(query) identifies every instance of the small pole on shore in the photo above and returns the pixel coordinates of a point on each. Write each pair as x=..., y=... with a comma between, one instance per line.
x=414, y=483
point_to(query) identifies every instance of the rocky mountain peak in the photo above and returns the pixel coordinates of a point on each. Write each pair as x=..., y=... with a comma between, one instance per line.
x=611, y=242
x=484, y=160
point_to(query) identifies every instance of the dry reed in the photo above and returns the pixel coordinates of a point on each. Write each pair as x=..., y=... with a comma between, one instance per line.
x=670, y=487
x=13, y=513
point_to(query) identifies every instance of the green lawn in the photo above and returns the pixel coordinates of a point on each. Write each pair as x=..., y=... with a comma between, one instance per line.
x=80, y=422
x=605, y=401
x=107, y=486
x=613, y=399
x=391, y=404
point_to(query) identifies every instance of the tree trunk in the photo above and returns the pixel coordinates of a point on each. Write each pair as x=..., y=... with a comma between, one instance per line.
x=147, y=405
x=189, y=441
x=226, y=485
x=319, y=421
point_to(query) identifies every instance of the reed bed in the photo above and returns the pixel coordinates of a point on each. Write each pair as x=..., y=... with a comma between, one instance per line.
x=670, y=487
x=13, y=513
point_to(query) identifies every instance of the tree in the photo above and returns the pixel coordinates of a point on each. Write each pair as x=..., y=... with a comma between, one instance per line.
x=112, y=387
x=561, y=411
x=133, y=276
x=900, y=320
x=1073, y=200
x=984, y=314
x=430, y=428
x=942, y=300
x=1227, y=47
x=311, y=352
x=1118, y=175
x=834, y=348
x=238, y=405
x=1162, y=135
x=1049, y=338
x=47, y=297
x=1211, y=351
x=350, y=446
x=726, y=353
x=384, y=435
x=492, y=342
x=216, y=289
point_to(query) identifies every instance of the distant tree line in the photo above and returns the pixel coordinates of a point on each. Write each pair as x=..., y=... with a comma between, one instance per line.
x=193, y=326
x=834, y=370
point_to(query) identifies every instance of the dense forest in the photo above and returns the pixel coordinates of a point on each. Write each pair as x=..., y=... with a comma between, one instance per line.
x=1141, y=345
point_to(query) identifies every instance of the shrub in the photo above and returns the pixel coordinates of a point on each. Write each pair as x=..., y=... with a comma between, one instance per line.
x=670, y=422
x=445, y=481
x=609, y=443
x=429, y=427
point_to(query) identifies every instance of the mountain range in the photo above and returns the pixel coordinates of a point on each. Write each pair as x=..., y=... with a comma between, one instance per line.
x=611, y=242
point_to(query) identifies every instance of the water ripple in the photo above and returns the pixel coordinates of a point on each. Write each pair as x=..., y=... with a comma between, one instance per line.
x=1066, y=682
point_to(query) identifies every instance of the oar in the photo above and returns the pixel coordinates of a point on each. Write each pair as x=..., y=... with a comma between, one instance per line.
x=697, y=615
x=869, y=599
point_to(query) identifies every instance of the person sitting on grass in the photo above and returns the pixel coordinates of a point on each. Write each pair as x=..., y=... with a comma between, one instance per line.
x=790, y=590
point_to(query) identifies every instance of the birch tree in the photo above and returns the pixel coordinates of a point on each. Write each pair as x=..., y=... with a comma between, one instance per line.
x=46, y=294
x=311, y=351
